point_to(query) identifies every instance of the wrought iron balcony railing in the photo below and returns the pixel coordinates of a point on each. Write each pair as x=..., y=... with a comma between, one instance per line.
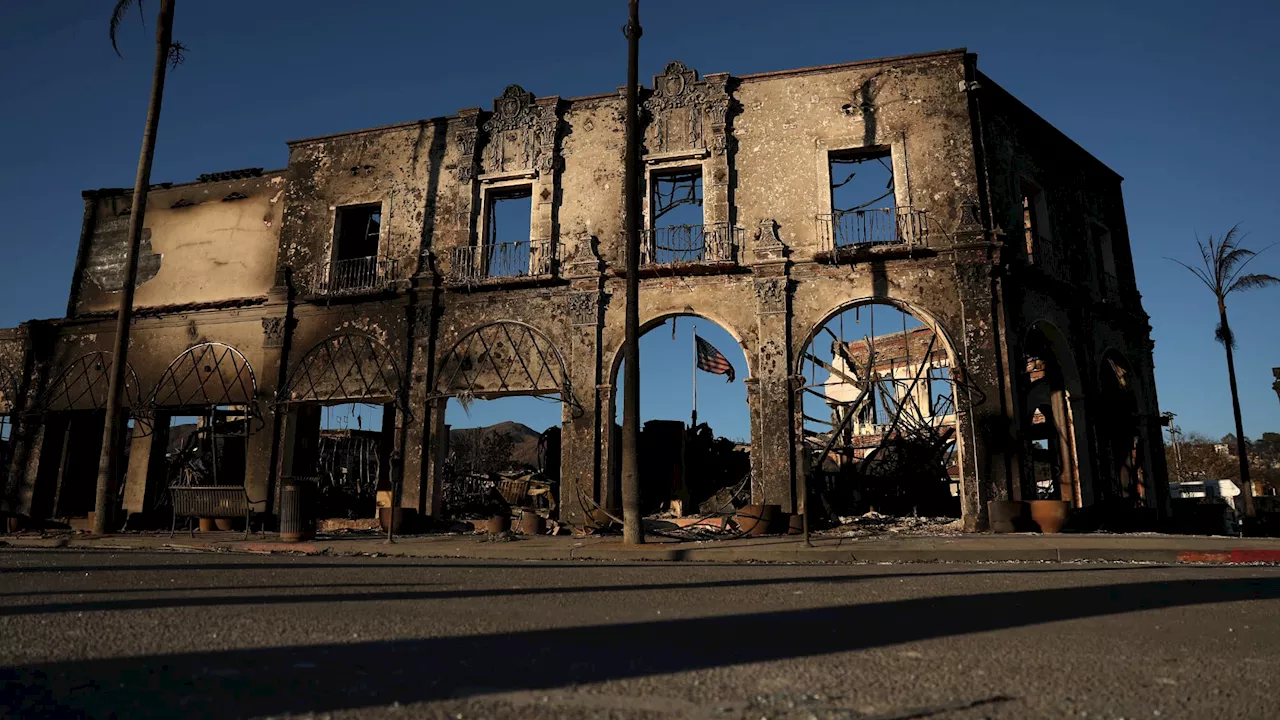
x=690, y=244
x=872, y=227
x=476, y=264
x=356, y=275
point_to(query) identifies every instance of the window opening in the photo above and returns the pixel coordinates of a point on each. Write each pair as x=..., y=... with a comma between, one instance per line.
x=508, y=227
x=863, y=204
x=359, y=228
x=678, y=232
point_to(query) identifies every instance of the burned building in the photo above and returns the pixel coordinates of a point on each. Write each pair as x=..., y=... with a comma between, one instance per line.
x=382, y=266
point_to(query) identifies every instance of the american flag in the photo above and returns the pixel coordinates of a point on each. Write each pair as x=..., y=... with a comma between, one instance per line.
x=710, y=359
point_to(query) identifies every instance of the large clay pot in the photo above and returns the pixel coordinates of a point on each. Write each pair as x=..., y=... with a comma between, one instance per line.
x=399, y=515
x=758, y=519
x=498, y=524
x=531, y=523
x=1007, y=516
x=1050, y=515
x=208, y=524
x=225, y=523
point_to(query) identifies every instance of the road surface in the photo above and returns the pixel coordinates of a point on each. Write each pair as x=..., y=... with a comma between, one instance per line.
x=219, y=635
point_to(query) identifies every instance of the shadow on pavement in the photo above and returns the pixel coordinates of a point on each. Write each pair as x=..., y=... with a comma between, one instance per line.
x=330, y=677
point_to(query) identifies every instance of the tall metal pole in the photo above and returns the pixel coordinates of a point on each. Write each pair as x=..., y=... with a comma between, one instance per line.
x=694, y=419
x=119, y=357
x=632, y=528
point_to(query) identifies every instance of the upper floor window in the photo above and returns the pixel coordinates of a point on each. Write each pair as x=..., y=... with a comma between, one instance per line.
x=1105, y=261
x=1035, y=222
x=678, y=232
x=864, y=206
x=358, y=230
x=508, y=225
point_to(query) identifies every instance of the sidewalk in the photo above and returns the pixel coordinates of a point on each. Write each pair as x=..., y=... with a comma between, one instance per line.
x=775, y=549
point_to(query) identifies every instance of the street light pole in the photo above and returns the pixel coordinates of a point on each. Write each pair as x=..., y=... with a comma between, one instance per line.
x=632, y=527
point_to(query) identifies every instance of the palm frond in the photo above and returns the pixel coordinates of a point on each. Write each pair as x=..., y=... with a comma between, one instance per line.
x=117, y=16
x=1198, y=272
x=1239, y=272
x=1252, y=281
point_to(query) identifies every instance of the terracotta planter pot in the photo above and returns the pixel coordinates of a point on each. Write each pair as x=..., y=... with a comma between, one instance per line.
x=1007, y=516
x=498, y=524
x=225, y=523
x=758, y=519
x=531, y=523
x=1050, y=515
x=208, y=524
x=399, y=521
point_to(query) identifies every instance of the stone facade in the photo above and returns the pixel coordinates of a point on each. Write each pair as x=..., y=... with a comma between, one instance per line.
x=251, y=261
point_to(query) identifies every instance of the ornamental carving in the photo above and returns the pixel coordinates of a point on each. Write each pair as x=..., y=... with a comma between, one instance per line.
x=769, y=246
x=273, y=332
x=683, y=108
x=584, y=308
x=466, y=139
x=585, y=260
x=771, y=295
x=522, y=133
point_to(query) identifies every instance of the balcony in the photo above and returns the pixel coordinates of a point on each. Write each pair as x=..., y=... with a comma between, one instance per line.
x=872, y=228
x=713, y=244
x=499, y=262
x=355, y=276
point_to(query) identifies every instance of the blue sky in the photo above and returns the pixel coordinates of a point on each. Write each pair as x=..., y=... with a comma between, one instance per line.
x=1178, y=97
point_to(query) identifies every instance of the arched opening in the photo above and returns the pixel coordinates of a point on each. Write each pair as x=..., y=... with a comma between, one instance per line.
x=72, y=409
x=878, y=421
x=204, y=407
x=695, y=424
x=505, y=391
x=1048, y=424
x=342, y=399
x=1121, y=432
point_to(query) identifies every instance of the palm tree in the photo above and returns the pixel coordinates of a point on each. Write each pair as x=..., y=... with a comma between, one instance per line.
x=167, y=52
x=1223, y=273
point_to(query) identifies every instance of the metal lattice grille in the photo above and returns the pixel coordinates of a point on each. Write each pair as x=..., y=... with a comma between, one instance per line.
x=345, y=368
x=83, y=385
x=8, y=390
x=205, y=375
x=502, y=357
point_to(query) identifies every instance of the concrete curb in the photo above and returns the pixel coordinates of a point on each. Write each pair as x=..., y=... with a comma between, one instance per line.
x=945, y=549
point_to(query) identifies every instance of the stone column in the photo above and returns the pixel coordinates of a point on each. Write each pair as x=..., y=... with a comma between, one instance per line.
x=148, y=467
x=584, y=442
x=772, y=396
x=436, y=448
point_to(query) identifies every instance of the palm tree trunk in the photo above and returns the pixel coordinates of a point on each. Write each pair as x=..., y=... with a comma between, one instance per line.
x=1246, y=487
x=119, y=358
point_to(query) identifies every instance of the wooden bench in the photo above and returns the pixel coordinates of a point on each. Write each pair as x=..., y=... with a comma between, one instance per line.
x=210, y=501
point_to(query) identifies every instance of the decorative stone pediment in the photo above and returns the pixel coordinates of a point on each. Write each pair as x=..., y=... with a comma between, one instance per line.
x=769, y=247
x=521, y=133
x=685, y=112
x=585, y=260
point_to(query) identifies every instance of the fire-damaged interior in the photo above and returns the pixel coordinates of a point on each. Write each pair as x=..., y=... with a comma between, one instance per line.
x=923, y=312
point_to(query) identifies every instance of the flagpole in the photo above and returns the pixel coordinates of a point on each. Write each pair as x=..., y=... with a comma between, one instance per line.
x=694, y=422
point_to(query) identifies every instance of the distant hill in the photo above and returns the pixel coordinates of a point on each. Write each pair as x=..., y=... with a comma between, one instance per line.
x=524, y=439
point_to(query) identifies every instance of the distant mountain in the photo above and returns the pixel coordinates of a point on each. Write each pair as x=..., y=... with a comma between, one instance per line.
x=524, y=439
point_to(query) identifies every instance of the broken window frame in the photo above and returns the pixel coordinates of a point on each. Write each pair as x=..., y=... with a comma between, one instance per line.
x=361, y=240
x=668, y=243
x=873, y=220
x=1035, y=221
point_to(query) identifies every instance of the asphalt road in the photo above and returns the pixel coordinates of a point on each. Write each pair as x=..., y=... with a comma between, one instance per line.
x=219, y=635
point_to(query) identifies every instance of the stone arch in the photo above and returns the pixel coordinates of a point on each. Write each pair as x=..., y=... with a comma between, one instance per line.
x=346, y=368
x=1124, y=452
x=503, y=357
x=895, y=431
x=83, y=383
x=924, y=316
x=658, y=319
x=1049, y=389
x=204, y=375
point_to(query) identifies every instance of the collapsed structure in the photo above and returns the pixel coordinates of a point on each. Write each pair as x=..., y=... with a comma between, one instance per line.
x=378, y=267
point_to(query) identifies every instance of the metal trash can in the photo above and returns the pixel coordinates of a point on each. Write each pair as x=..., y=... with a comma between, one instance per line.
x=297, y=510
